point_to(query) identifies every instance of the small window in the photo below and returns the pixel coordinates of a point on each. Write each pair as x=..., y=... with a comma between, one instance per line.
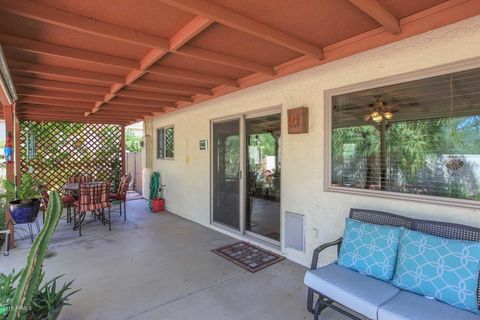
x=420, y=137
x=165, y=143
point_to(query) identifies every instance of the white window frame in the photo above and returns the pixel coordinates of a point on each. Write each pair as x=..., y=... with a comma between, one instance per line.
x=164, y=142
x=397, y=79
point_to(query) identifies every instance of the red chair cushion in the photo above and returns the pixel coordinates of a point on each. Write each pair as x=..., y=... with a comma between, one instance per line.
x=68, y=200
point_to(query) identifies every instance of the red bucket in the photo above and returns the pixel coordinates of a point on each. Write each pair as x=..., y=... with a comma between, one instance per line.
x=158, y=205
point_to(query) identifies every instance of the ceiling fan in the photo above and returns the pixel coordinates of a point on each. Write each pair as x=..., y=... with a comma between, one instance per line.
x=380, y=111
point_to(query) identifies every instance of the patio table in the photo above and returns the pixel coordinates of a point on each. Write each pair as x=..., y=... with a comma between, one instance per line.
x=71, y=186
x=75, y=186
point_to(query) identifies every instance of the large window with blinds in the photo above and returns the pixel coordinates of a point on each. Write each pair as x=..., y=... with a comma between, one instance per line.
x=420, y=137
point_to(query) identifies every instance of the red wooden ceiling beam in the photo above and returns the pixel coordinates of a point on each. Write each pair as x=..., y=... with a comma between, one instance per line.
x=113, y=108
x=40, y=118
x=55, y=113
x=57, y=85
x=379, y=13
x=181, y=88
x=74, y=96
x=224, y=59
x=190, y=75
x=448, y=12
x=186, y=33
x=54, y=50
x=141, y=103
x=55, y=102
x=120, y=107
x=65, y=19
x=189, y=31
x=38, y=107
x=79, y=116
x=129, y=93
x=59, y=109
x=243, y=23
x=36, y=11
x=67, y=73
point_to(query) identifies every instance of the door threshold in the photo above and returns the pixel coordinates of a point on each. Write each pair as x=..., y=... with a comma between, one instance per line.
x=274, y=245
x=248, y=238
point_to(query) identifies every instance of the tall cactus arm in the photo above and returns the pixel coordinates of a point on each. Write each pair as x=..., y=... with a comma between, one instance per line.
x=29, y=280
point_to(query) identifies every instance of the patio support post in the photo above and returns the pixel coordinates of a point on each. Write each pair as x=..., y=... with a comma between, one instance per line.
x=10, y=166
x=123, y=150
x=147, y=155
x=17, y=157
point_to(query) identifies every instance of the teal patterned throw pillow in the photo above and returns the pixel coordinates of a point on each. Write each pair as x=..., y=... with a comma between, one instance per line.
x=444, y=269
x=370, y=248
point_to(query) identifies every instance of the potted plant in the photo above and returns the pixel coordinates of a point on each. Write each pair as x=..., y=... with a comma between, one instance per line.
x=156, y=193
x=22, y=295
x=47, y=300
x=23, y=199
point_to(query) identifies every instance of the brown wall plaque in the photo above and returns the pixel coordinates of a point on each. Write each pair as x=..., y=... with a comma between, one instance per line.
x=298, y=120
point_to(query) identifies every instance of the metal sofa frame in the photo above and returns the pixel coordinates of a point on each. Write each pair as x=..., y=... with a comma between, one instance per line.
x=436, y=228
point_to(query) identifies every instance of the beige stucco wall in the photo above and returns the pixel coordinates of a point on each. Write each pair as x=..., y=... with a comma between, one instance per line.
x=187, y=177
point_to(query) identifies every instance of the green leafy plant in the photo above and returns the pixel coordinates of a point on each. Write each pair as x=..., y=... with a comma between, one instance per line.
x=7, y=290
x=47, y=300
x=32, y=274
x=26, y=191
x=132, y=141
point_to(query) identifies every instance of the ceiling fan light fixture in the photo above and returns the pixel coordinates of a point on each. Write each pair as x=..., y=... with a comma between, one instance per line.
x=388, y=115
x=377, y=117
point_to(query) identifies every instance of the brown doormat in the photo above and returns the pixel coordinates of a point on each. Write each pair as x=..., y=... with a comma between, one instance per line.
x=248, y=256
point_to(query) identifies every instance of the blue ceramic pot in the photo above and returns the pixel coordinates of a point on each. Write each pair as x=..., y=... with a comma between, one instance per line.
x=24, y=212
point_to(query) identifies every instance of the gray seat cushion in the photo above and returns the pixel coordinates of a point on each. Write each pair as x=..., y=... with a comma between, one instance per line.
x=356, y=291
x=411, y=306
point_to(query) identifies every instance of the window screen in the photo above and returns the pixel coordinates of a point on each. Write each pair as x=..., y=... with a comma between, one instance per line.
x=160, y=143
x=419, y=137
x=169, y=142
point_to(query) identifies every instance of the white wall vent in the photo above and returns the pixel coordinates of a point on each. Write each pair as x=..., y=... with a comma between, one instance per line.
x=295, y=231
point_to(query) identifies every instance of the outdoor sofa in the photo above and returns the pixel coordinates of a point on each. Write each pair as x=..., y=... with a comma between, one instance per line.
x=353, y=293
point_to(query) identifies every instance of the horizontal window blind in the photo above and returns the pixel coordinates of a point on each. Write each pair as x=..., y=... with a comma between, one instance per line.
x=419, y=137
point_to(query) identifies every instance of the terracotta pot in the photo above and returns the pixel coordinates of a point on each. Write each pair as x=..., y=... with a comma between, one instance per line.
x=158, y=205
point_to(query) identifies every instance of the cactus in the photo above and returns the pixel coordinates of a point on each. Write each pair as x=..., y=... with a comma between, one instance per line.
x=30, y=277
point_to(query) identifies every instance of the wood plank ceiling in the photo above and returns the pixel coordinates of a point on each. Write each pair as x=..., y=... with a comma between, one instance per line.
x=119, y=61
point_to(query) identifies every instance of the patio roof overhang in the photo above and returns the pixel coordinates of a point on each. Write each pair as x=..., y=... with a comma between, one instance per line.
x=121, y=61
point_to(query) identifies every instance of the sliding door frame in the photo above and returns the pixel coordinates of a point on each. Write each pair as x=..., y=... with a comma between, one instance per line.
x=241, y=203
x=243, y=171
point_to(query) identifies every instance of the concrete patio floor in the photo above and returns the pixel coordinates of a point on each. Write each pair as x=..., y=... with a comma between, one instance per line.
x=159, y=266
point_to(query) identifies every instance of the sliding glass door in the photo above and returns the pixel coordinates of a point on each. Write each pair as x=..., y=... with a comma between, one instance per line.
x=248, y=203
x=226, y=173
x=263, y=139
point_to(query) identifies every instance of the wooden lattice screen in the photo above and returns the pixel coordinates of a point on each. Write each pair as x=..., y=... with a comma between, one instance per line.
x=54, y=151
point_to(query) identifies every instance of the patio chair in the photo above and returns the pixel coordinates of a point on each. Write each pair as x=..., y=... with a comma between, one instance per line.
x=84, y=178
x=69, y=197
x=121, y=195
x=93, y=197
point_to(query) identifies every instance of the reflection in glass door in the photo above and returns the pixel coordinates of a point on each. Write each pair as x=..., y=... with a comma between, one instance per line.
x=263, y=139
x=226, y=173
